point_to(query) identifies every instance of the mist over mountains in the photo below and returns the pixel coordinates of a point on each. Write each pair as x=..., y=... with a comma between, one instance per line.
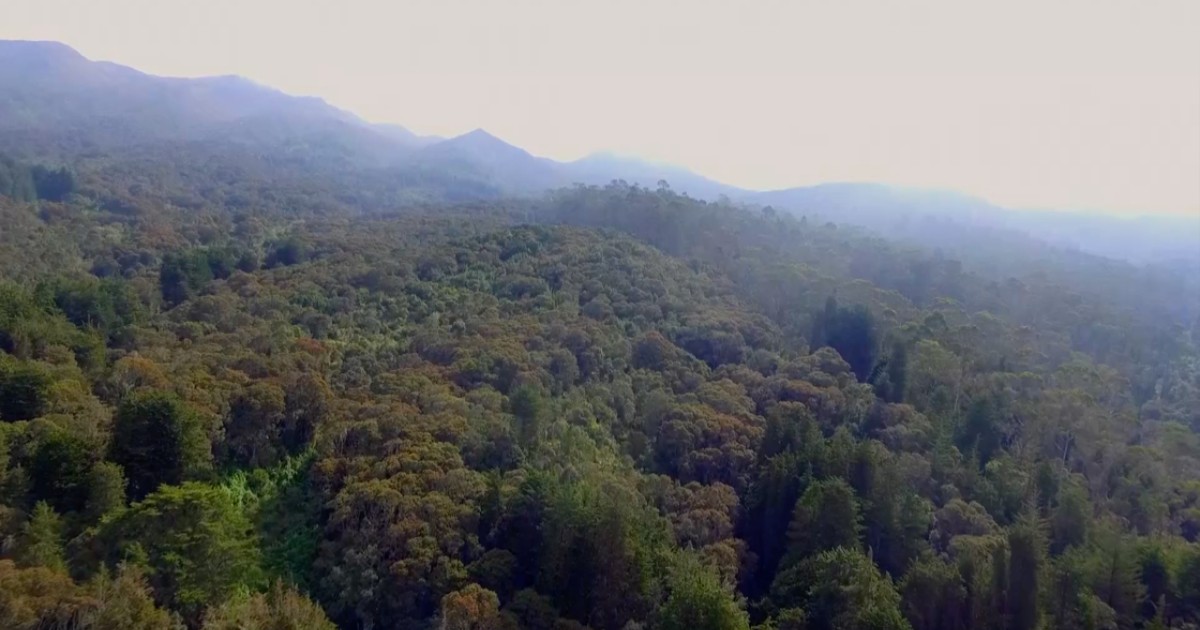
x=57, y=106
x=264, y=363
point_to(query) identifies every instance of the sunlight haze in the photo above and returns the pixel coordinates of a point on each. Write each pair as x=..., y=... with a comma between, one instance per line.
x=1065, y=105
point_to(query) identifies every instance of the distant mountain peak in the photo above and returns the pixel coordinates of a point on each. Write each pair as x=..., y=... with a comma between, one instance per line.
x=480, y=143
x=479, y=137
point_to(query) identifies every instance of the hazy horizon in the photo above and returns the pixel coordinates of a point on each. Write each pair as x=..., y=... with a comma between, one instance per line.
x=1074, y=106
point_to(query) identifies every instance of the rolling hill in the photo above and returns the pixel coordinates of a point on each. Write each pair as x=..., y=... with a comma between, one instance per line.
x=57, y=106
x=263, y=363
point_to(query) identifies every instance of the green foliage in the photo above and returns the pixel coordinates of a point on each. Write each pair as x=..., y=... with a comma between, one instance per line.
x=197, y=546
x=840, y=589
x=286, y=509
x=980, y=433
x=16, y=180
x=496, y=571
x=698, y=601
x=106, y=490
x=850, y=331
x=826, y=517
x=183, y=274
x=158, y=440
x=601, y=555
x=41, y=543
x=31, y=328
x=61, y=471
x=254, y=425
x=108, y=304
x=1025, y=544
x=1114, y=575
x=527, y=405
x=1069, y=602
x=306, y=406
x=642, y=410
x=23, y=391
x=890, y=378
x=289, y=251
x=1071, y=518
x=933, y=596
x=1187, y=586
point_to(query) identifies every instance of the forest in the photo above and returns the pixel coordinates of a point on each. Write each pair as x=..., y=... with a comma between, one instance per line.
x=606, y=407
x=265, y=366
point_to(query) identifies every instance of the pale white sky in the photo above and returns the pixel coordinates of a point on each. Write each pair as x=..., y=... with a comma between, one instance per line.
x=1047, y=103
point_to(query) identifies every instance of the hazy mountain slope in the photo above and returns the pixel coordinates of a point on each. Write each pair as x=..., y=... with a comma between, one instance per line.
x=55, y=102
x=489, y=160
x=955, y=221
x=1141, y=239
x=867, y=202
x=405, y=136
x=602, y=168
x=58, y=106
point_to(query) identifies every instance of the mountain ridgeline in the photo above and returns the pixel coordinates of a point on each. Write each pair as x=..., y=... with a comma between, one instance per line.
x=266, y=365
x=61, y=105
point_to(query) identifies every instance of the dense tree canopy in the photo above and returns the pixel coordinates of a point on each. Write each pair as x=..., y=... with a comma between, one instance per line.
x=233, y=403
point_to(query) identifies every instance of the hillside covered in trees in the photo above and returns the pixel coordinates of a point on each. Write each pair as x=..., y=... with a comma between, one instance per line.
x=239, y=392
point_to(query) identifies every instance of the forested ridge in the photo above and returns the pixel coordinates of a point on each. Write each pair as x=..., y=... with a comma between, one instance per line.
x=606, y=407
x=230, y=400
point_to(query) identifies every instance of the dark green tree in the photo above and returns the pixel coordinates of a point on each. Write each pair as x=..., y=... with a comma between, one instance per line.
x=23, y=391
x=933, y=595
x=183, y=274
x=825, y=517
x=158, y=440
x=289, y=251
x=850, y=331
x=1186, y=602
x=1114, y=574
x=106, y=490
x=890, y=379
x=1070, y=518
x=840, y=589
x=53, y=184
x=527, y=405
x=61, y=471
x=1026, y=552
x=16, y=180
x=254, y=426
